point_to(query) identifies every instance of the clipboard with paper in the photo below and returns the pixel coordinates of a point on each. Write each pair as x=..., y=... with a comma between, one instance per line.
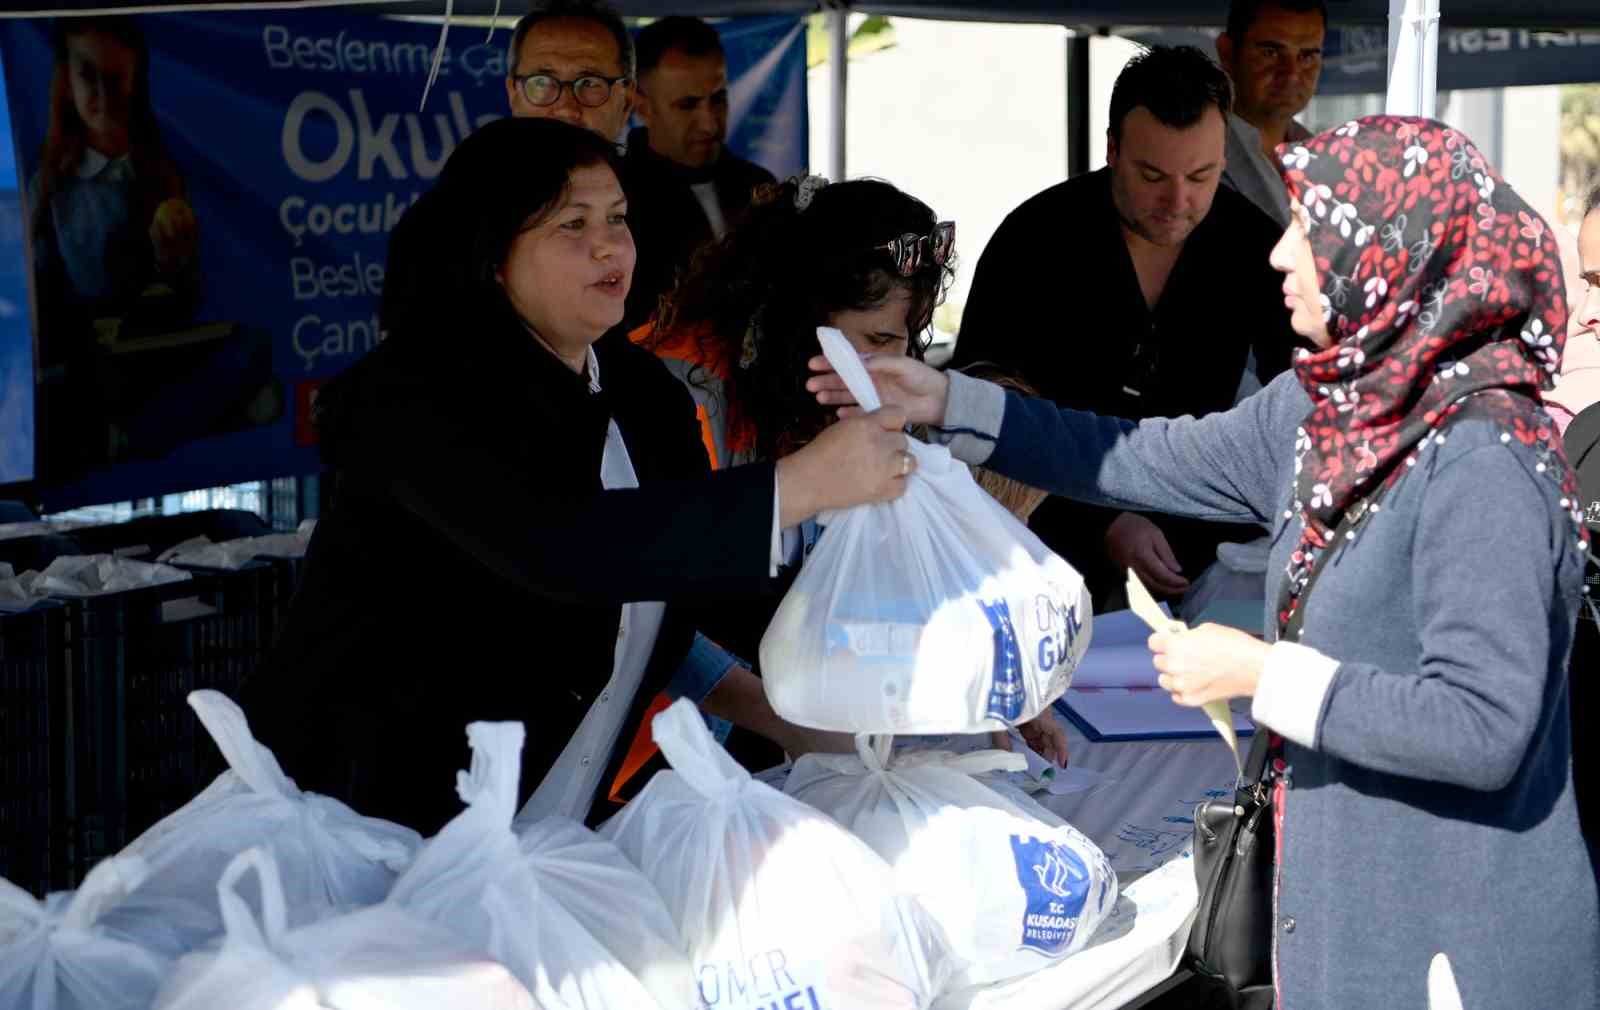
x=1143, y=711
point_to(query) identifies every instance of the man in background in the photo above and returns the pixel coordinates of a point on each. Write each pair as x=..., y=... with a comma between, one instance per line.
x=573, y=60
x=1272, y=50
x=684, y=187
x=1136, y=291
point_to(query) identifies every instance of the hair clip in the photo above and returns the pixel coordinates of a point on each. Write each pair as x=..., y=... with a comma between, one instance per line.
x=807, y=190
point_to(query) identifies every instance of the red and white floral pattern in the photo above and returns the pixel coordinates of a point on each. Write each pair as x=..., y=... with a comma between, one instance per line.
x=1456, y=310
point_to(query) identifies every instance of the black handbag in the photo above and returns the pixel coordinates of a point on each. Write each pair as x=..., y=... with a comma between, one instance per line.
x=1234, y=844
x=1235, y=854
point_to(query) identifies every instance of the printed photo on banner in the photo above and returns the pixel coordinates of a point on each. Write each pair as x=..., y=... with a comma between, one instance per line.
x=205, y=205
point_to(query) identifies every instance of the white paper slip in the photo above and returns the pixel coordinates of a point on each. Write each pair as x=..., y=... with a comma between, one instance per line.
x=1039, y=769
x=1142, y=603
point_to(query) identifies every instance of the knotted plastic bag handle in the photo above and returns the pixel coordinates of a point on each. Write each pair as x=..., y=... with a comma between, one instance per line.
x=254, y=764
x=491, y=783
x=694, y=753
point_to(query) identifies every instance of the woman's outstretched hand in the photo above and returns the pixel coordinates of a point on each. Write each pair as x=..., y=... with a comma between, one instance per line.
x=916, y=388
x=857, y=461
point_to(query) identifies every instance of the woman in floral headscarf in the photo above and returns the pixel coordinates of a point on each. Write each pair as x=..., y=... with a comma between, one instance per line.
x=1425, y=526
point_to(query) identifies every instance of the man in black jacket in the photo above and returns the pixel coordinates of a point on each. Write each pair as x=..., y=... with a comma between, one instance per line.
x=684, y=188
x=1136, y=291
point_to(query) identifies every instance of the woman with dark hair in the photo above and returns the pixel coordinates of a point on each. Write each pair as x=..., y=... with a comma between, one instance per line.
x=738, y=329
x=1431, y=550
x=862, y=256
x=511, y=494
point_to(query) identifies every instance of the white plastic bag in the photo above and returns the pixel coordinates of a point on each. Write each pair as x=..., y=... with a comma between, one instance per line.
x=58, y=954
x=330, y=858
x=475, y=879
x=1012, y=892
x=780, y=905
x=378, y=958
x=586, y=879
x=935, y=613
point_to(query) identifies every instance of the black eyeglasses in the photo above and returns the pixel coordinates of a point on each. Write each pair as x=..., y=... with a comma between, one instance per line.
x=907, y=250
x=590, y=91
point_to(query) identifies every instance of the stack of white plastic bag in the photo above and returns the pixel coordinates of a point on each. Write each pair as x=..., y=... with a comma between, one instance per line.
x=938, y=612
x=14, y=593
x=378, y=958
x=330, y=859
x=84, y=949
x=201, y=552
x=93, y=575
x=780, y=906
x=1013, y=887
x=560, y=908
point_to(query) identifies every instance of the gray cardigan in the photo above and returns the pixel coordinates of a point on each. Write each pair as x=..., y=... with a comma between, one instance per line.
x=1433, y=810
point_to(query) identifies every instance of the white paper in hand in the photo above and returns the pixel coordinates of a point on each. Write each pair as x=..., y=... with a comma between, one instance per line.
x=1442, y=991
x=1142, y=603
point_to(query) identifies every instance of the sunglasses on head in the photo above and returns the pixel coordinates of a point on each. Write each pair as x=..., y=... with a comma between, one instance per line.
x=907, y=250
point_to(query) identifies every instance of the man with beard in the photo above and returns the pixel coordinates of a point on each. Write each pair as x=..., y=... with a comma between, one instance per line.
x=1136, y=291
x=1272, y=49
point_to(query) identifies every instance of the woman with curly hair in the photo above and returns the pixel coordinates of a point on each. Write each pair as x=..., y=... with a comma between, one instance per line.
x=861, y=256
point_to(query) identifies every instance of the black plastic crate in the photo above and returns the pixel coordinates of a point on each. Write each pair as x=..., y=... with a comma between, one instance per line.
x=285, y=582
x=225, y=648
x=134, y=656
x=33, y=752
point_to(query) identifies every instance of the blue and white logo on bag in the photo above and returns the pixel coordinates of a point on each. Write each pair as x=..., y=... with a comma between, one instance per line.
x=1007, y=696
x=1056, y=883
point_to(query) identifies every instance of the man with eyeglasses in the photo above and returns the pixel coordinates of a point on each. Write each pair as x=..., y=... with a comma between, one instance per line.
x=1272, y=49
x=1136, y=291
x=684, y=187
x=573, y=60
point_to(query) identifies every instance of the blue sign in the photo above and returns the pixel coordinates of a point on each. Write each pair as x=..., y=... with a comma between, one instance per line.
x=194, y=290
x=1056, y=883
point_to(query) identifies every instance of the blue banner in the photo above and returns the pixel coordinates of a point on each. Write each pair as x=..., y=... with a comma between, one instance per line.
x=16, y=332
x=192, y=295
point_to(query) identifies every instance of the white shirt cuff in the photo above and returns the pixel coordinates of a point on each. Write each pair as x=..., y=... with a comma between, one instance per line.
x=776, y=551
x=1294, y=683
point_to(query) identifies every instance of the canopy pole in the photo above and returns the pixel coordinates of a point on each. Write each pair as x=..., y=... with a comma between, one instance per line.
x=839, y=65
x=1077, y=84
x=1413, y=58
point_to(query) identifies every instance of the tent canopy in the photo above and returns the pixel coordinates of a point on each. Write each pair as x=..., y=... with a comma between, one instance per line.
x=1457, y=13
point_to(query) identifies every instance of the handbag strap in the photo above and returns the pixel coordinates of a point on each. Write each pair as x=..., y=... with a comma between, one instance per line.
x=1255, y=763
x=1297, y=620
